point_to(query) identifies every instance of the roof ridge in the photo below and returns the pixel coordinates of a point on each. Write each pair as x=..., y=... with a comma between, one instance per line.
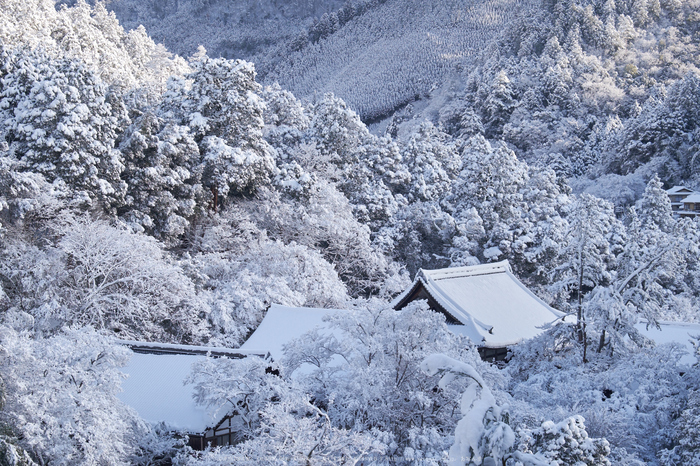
x=466, y=271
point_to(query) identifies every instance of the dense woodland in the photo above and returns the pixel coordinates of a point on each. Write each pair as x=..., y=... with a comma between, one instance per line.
x=151, y=197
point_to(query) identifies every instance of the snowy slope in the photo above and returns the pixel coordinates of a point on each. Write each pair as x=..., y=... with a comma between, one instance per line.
x=233, y=29
x=396, y=52
x=375, y=54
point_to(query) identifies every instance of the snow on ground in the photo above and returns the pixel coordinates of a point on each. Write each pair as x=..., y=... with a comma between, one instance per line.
x=673, y=332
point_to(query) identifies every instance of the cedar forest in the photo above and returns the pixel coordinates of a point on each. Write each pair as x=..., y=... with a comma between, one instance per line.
x=150, y=197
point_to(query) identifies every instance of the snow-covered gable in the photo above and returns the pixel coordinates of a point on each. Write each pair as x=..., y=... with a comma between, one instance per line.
x=485, y=302
x=155, y=387
x=679, y=190
x=283, y=324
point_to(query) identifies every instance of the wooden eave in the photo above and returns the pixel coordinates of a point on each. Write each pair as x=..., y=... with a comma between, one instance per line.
x=420, y=291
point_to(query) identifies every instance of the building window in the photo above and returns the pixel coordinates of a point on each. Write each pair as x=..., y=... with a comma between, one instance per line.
x=221, y=440
x=493, y=354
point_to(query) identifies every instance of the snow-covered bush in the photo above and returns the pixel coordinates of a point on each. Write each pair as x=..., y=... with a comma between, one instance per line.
x=563, y=443
x=61, y=397
x=367, y=375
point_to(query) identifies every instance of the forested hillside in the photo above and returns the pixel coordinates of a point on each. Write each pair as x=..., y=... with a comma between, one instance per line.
x=145, y=196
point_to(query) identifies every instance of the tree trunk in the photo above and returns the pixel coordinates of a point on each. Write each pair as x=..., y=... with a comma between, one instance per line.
x=601, y=344
x=215, y=202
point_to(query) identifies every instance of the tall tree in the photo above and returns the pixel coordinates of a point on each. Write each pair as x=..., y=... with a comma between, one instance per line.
x=164, y=177
x=587, y=257
x=224, y=110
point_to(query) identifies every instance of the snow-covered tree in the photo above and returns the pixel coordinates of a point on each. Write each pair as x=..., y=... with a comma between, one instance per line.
x=92, y=35
x=19, y=190
x=62, y=397
x=499, y=103
x=221, y=103
x=369, y=170
x=163, y=176
x=432, y=162
x=241, y=286
x=587, y=256
x=293, y=431
x=656, y=209
x=105, y=277
x=285, y=120
x=243, y=387
x=492, y=180
x=630, y=401
x=421, y=233
x=367, y=374
x=60, y=120
x=483, y=435
x=322, y=219
x=647, y=282
x=686, y=448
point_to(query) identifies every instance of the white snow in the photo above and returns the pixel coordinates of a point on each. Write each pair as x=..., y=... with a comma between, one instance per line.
x=281, y=325
x=492, y=253
x=673, y=332
x=694, y=198
x=494, y=307
x=679, y=189
x=155, y=390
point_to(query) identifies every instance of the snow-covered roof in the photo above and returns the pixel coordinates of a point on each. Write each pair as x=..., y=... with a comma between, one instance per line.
x=673, y=332
x=169, y=348
x=155, y=389
x=493, y=307
x=155, y=384
x=283, y=324
x=694, y=198
x=679, y=190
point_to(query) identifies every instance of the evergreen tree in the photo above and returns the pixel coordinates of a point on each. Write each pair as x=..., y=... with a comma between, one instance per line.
x=224, y=110
x=432, y=162
x=163, y=176
x=62, y=121
x=493, y=181
x=656, y=211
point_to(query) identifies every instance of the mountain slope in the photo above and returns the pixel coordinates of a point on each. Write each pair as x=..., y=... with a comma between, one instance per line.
x=375, y=54
x=394, y=53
